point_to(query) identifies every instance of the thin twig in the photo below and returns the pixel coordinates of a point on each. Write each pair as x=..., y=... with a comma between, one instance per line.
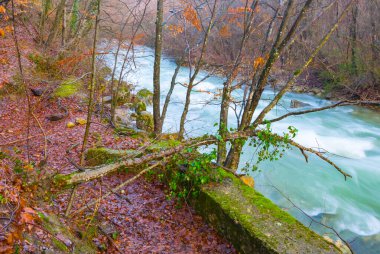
x=311, y=218
x=117, y=188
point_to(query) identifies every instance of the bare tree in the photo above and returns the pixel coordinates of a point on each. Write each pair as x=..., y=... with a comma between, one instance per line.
x=157, y=68
x=197, y=69
x=92, y=84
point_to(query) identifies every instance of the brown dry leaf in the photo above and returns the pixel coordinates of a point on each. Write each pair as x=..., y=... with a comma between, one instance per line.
x=27, y=216
x=7, y=249
x=10, y=239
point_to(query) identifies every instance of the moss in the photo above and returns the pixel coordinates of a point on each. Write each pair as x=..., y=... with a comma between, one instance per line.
x=252, y=222
x=162, y=144
x=67, y=88
x=140, y=107
x=144, y=121
x=145, y=96
x=16, y=87
x=53, y=225
x=261, y=202
x=125, y=131
x=60, y=245
x=99, y=156
x=61, y=180
x=45, y=65
x=91, y=232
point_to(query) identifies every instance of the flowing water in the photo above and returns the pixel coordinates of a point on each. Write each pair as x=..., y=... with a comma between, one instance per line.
x=350, y=134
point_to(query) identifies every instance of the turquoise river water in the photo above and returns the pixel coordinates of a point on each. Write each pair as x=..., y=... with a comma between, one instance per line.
x=350, y=134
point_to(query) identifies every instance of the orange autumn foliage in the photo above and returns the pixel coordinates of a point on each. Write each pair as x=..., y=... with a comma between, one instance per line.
x=258, y=62
x=191, y=16
x=138, y=39
x=175, y=29
x=225, y=31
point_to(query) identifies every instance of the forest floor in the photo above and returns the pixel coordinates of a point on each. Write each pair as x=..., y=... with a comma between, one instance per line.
x=144, y=220
x=148, y=223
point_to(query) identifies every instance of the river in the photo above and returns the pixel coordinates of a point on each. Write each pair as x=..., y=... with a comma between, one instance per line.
x=350, y=134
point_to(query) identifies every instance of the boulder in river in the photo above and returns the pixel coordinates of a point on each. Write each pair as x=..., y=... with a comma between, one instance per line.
x=144, y=121
x=298, y=104
x=316, y=91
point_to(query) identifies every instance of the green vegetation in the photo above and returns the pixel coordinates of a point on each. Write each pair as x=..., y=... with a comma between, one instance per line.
x=187, y=172
x=145, y=96
x=45, y=65
x=144, y=121
x=68, y=88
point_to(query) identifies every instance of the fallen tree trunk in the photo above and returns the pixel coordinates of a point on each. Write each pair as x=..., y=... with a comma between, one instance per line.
x=93, y=173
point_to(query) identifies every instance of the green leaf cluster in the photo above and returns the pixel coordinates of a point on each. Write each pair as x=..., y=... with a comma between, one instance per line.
x=187, y=172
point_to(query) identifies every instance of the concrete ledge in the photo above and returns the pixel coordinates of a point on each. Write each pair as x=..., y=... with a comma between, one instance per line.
x=252, y=223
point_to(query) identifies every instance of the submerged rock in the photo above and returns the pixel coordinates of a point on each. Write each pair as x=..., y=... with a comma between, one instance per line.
x=298, y=104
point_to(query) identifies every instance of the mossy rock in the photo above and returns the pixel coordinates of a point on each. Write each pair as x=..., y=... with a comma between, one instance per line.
x=140, y=107
x=67, y=88
x=144, y=121
x=124, y=95
x=252, y=223
x=64, y=241
x=99, y=156
x=145, y=96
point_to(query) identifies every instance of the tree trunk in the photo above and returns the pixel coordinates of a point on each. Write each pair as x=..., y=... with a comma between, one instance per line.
x=193, y=77
x=168, y=96
x=64, y=21
x=233, y=157
x=353, y=35
x=227, y=86
x=92, y=85
x=115, y=90
x=58, y=17
x=157, y=68
x=44, y=12
x=374, y=38
x=103, y=170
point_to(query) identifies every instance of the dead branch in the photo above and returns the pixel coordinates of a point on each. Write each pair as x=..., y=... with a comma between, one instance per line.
x=20, y=140
x=320, y=155
x=338, y=104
